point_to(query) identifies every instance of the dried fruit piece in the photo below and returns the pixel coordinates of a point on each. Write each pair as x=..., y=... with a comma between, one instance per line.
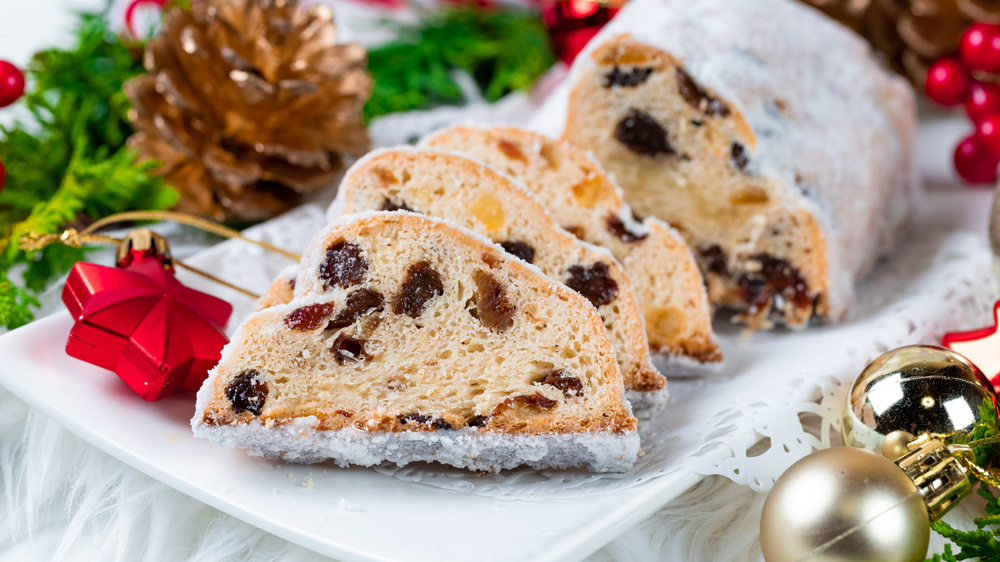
x=521, y=250
x=714, y=259
x=739, y=155
x=699, y=98
x=489, y=211
x=420, y=419
x=422, y=283
x=387, y=176
x=347, y=349
x=388, y=205
x=344, y=266
x=247, y=392
x=477, y=421
x=511, y=150
x=568, y=384
x=589, y=191
x=669, y=320
x=776, y=278
x=309, y=317
x=536, y=400
x=360, y=302
x=627, y=78
x=642, y=134
x=441, y=423
x=492, y=307
x=575, y=230
x=413, y=418
x=593, y=282
x=617, y=227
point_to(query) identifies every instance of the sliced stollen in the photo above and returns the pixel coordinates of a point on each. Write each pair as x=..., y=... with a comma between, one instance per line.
x=765, y=132
x=454, y=188
x=424, y=342
x=586, y=201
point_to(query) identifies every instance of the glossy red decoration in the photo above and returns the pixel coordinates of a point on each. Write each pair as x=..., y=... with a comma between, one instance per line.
x=983, y=100
x=988, y=134
x=947, y=82
x=981, y=346
x=11, y=83
x=974, y=163
x=980, y=47
x=137, y=320
x=572, y=23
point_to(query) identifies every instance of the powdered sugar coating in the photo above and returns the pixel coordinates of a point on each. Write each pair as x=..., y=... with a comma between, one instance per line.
x=825, y=118
x=300, y=442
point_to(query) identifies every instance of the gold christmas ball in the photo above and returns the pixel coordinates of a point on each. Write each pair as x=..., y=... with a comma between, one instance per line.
x=915, y=389
x=844, y=505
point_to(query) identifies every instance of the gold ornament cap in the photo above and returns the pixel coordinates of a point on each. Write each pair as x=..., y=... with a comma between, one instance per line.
x=143, y=240
x=937, y=473
x=918, y=389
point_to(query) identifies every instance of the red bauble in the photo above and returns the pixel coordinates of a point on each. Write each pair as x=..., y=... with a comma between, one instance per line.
x=572, y=23
x=983, y=100
x=980, y=47
x=11, y=83
x=974, y=163
x=140, y=322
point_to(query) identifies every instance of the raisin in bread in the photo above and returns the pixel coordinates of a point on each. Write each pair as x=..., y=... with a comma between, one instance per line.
x=424, y=342
x=765, y=132
x=586, y=201
x=467, y=193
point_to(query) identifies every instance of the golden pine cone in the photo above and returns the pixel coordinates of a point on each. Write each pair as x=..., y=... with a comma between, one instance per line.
x=911, y=33
x=249, y=104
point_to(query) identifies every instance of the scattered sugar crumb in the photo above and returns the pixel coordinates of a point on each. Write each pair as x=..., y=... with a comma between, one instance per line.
x=347, y=505
x=308, y=483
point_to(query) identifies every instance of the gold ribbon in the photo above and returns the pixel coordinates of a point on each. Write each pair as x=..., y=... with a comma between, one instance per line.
x=89, y=235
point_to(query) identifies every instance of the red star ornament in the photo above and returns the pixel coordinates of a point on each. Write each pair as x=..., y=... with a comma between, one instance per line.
x=981, y=346
x=137, y=320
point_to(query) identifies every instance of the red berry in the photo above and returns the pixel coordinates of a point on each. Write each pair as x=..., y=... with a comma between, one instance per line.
x=988, y=134
x=974, y=163
x=3, y=175
x=980, y=47
x=11, y=83
x=947, y=81
x=983, y=100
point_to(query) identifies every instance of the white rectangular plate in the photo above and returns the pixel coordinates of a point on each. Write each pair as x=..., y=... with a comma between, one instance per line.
x=380, y=517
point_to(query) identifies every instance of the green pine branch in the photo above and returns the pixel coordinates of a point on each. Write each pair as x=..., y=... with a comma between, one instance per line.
x=68, y=163
x=504, y=50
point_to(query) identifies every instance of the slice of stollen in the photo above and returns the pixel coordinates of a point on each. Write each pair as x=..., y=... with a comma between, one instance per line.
x=586, y=201
x=452, y=187
x=424, y=342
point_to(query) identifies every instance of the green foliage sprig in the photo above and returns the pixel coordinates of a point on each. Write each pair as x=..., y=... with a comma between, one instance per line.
x=68, y=162
x=503, y=49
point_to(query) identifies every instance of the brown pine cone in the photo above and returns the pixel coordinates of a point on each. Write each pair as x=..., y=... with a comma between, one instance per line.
x=249, y=104
x=911, y=33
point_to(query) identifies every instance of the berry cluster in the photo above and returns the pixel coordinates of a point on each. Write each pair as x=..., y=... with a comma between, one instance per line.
x=966, y=80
